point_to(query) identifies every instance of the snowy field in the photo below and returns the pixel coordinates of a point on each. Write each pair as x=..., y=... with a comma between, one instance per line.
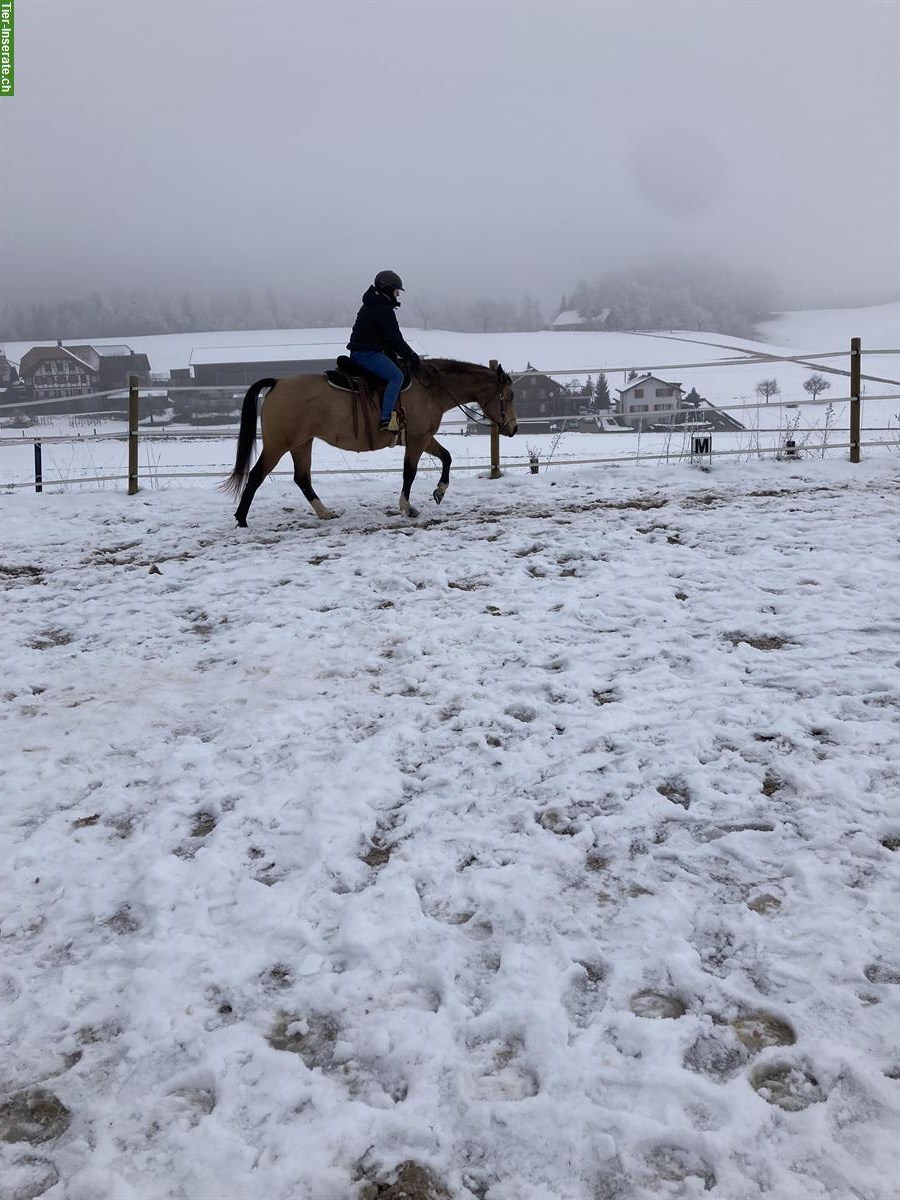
x=544, y=848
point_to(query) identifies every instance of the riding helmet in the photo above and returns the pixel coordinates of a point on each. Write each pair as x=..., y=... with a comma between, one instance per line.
x=388, y=281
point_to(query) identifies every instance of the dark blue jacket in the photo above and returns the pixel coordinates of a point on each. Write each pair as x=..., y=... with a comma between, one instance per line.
x=376, y=328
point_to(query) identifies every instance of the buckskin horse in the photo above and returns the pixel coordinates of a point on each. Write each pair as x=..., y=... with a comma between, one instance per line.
x=295, y=411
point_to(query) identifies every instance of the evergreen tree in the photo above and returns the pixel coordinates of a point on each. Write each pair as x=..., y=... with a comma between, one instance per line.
x=602, y=401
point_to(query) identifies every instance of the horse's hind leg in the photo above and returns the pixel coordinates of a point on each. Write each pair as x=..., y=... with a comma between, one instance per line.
x=302, y=465
x=435, y=448
x=266, y=463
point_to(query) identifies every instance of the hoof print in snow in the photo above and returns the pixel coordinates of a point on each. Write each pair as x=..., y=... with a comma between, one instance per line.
x=712, y=833
x=891, y=841
x=408, y=1181
x=48, y=638
x=28, y=1178
x=757, y=1030
x=720, y=1056
x=675, y=1164
x=881, y=972
x=312, y=1038
x=501, y=1075
x=26, y=573
x=607, y=697
x=585, y=996
x=202, y=824
x=123, y=921
x=33, y=1116
x=86, y=822
x=771, y=784
x=378, y=853
x=554, y=820
x=657, y=1006
x=787, y=1085
x=521, y=712
x=277, y=977
x=676, y=791
x=771, y=642
x=268, y=874
x=765, y=904
x=191, y=1104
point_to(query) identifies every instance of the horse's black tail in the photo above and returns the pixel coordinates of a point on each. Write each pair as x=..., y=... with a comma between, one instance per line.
x=246, y=438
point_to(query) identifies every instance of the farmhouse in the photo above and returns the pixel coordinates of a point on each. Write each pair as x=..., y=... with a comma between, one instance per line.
x=570, y=319
x=57, y=371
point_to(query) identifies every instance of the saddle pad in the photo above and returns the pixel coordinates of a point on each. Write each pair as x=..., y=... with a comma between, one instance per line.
x=349, y=373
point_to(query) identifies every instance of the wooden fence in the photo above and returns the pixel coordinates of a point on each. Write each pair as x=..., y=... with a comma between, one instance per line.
x=494, y=467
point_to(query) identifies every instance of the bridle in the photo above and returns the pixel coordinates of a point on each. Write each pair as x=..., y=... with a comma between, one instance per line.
x=502, y=424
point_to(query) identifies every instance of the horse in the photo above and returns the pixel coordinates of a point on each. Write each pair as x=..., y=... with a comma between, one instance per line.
x=301, y=408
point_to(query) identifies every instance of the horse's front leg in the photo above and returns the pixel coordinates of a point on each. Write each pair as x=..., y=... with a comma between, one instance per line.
x=410, y=466
x=435, y=448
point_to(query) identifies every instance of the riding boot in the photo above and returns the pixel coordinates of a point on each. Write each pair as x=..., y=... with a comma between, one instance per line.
x=391, y=425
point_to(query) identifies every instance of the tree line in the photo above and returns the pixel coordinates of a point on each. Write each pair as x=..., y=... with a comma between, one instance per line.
x=661, y=296
x=713, y=299
x=136, y=314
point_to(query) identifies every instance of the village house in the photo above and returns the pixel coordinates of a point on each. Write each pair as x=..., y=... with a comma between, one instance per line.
x=541, y=402
x=647, y=399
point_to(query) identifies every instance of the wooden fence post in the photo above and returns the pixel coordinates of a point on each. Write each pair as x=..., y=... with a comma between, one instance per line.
x=38, y=470
x=855, y=372
x=132, y=435
x=495, y=440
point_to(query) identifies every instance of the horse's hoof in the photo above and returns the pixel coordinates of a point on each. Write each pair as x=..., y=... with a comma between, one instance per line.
x=242, y=524
x=412, y=512
x=438, y=495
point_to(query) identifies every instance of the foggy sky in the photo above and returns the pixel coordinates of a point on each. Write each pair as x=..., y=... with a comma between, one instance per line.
x=475, y=146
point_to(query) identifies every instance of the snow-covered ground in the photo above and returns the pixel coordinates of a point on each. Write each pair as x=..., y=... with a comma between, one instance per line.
x=179, y=454
x=545, y=848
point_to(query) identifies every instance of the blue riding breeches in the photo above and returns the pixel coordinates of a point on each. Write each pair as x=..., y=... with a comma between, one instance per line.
x=385, y=368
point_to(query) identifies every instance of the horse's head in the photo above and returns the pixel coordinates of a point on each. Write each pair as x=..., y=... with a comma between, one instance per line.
x=499, y=408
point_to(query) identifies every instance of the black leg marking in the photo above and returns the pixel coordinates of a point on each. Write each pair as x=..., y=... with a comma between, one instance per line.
x=304, y=483
x=257, y=474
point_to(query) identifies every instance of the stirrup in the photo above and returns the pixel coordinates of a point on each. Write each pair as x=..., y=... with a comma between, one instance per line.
x=392, y=425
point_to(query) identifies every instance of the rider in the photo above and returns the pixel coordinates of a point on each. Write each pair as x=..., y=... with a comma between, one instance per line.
x=376, y=336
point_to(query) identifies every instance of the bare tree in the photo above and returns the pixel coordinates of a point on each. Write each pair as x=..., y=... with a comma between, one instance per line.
x=816, y=384
x=766, y=388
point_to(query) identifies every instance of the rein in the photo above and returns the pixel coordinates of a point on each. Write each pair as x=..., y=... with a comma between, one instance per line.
x=473, y=416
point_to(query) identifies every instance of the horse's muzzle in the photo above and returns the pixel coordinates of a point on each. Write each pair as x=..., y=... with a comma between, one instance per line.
x=508, y=430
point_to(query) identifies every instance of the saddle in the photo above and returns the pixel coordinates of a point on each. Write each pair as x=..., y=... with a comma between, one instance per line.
x=351, y=377
x=365, y=390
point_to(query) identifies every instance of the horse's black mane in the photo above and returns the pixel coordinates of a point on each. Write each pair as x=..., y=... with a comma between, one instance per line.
x=455, y=367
